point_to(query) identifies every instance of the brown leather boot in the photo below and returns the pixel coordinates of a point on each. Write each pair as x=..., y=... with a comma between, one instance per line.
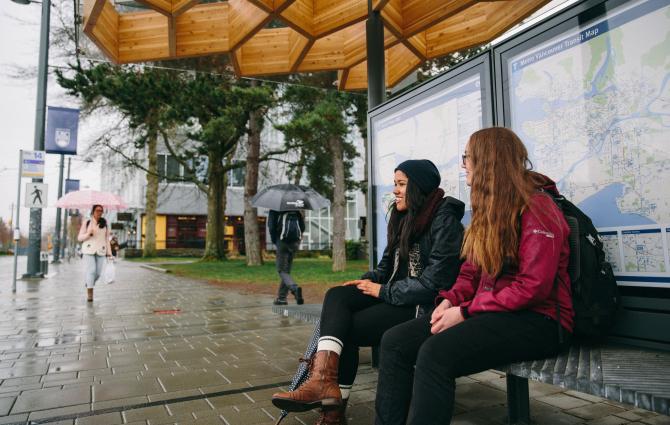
x=320, y=388
x=334, y=415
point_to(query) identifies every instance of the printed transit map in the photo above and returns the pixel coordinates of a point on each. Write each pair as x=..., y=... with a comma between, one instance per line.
x=593, y=107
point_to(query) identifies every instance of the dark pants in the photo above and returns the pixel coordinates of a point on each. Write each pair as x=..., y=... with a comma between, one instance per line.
x=425, y=395
x=284, y=261
x=358, y=320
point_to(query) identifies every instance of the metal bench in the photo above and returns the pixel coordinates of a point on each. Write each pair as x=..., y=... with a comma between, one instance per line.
x=635, y=376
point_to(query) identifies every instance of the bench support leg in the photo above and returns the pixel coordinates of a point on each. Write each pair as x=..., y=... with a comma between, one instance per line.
x=518, y=403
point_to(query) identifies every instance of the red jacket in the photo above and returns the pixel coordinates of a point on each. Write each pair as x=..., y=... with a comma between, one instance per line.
x=543, y=255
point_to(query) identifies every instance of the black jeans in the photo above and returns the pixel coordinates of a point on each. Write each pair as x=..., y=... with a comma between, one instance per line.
x=425, y=395
x=284, y=261
x=358, y=320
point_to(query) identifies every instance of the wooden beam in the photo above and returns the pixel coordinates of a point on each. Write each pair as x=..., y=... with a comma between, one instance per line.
x=203, y=30
x=181, y=6
x=298, y=47
x=327, y=53
x=400, y=62
x=417, y=44
x=300, y=16
x=392, y=16
x=172, y=37
x=105, y=31
x=92, y=10
x=244, y=21
x=357, y=77
x=164, y=7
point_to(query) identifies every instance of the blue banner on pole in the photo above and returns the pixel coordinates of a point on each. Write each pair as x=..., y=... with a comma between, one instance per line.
x=62, y=127
x=71, y=185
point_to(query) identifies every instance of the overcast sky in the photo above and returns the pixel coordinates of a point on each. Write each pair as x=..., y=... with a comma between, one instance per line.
x=19, y=47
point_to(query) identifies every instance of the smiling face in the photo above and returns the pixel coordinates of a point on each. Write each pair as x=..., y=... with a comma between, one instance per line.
x=400, y=190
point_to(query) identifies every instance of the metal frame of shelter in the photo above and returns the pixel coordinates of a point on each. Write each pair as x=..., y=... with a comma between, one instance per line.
x=645, y=316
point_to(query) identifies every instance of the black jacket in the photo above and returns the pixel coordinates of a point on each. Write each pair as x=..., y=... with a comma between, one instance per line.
x=274, y=224
x=439, y=249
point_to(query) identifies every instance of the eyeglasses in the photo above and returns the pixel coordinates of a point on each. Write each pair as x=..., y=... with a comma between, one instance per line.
x=464, y=157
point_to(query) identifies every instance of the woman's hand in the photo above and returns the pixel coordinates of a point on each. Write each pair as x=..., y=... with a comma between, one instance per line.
x=439, y=310
x=369, y=288
x=366, y=286
x=451, y=317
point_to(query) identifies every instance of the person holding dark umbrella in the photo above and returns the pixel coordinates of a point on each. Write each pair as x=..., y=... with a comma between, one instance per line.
x=286, y=230
x=286, y=225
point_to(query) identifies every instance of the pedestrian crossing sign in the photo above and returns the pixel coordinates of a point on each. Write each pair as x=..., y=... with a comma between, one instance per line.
x=36, y=195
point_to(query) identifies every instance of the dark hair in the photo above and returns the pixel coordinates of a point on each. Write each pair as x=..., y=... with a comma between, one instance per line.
x=102, y=223
x=401, y=223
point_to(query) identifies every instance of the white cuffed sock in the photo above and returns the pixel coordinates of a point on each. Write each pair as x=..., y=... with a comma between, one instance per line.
x=330, y=343
x=345, y=390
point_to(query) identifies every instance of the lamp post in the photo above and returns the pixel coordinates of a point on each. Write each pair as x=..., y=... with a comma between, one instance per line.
x=35, y=229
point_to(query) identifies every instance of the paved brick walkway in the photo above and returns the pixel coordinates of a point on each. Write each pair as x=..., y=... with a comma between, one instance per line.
x=131, y=358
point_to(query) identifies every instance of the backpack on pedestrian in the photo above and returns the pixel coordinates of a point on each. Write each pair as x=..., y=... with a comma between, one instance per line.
x=290, y=227
x=595, y=294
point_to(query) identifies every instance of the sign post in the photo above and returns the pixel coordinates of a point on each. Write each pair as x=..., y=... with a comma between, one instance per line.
x=61, y=138
x=31, y=164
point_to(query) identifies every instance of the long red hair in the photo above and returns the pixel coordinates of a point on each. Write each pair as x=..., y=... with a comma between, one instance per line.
x=501, y=187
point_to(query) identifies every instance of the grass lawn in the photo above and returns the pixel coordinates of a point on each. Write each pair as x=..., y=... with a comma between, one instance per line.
x=304, y=271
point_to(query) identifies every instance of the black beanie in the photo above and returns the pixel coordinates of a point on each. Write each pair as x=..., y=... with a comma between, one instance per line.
x=422, y=172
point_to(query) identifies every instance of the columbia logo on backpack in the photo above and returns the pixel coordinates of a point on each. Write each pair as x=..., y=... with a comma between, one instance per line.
x=290, y=227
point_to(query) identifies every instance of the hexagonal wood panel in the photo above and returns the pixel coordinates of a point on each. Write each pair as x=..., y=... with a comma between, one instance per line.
x=305, y=35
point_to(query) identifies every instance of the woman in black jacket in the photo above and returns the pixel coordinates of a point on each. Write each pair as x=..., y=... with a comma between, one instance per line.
x=422, y=257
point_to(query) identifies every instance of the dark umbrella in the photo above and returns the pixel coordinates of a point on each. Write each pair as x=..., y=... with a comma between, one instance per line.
x=289, y=197
x=303, y=369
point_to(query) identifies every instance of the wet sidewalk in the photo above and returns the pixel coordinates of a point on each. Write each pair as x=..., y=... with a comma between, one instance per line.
x=157, y=349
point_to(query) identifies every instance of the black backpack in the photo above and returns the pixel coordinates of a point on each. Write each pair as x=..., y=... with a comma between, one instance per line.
x=595, y=294
x=290, y=227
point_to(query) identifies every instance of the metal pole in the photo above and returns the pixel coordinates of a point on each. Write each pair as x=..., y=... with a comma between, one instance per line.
x=374, y=31
x=17, y=229
x=56, y=254
x=35, y=229
x=67, y=215
x=374, y=35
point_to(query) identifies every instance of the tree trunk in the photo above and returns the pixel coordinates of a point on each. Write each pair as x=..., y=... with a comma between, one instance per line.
x=338, y=208
x=214, y=242
x=252, y=241
x=151, y=197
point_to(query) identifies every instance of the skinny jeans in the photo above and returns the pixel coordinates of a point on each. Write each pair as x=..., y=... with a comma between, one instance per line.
x=424, y=395
x=358, y=320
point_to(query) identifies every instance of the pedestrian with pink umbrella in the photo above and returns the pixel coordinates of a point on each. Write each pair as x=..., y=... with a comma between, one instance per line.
x=94, y=232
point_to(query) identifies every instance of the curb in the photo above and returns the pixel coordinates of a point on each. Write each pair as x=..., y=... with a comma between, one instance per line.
x=154, y=268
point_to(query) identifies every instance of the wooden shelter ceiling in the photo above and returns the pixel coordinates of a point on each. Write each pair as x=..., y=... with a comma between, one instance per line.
x=318, y=35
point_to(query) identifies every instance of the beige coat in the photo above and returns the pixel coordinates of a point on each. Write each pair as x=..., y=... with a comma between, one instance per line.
x=94, y=240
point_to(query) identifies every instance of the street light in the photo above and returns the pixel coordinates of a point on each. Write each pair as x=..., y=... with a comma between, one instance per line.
x=35, y=230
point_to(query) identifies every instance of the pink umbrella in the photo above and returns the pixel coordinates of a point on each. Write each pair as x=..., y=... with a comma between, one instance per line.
x=84, y=199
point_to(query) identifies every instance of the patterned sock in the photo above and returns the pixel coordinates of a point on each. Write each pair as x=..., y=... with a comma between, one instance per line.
x=330, y=343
